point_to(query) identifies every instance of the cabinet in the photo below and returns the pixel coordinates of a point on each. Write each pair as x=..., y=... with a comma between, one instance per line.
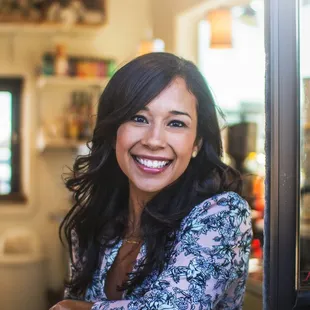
x=54, y=95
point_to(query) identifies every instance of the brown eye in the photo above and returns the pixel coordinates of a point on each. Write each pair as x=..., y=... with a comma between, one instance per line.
x=177, y=124
x=139, y=119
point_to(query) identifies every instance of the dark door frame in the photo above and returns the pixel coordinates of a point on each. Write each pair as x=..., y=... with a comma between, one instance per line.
x=282, y=151
x=14, y=85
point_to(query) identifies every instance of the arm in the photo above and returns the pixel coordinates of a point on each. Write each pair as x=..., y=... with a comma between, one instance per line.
x=72, y=305
x=209, y=266
x=68, y=294
x=71, y=301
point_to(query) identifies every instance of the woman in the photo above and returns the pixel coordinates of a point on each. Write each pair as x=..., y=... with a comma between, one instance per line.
x=157, y=221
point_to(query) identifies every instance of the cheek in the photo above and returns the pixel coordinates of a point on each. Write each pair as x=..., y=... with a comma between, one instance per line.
x=184, y=147
x=126, y=138
x=120, y=139
x=123, y=138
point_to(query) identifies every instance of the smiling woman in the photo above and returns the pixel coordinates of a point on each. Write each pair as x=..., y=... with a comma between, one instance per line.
x=158, y=222
x=155, y=146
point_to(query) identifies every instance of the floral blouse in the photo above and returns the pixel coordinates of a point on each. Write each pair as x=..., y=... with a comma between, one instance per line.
x=207, y=269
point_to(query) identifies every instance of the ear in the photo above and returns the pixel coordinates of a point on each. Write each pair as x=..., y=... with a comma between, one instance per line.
x=197, y=148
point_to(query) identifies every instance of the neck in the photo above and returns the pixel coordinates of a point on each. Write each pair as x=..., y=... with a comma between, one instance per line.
x=137, y=201
x=135, y=210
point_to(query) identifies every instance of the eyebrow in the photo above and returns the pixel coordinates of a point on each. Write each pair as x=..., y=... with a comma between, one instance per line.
x=174, y=112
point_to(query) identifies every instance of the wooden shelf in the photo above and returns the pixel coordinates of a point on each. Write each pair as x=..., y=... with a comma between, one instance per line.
x=45, y=143
x=70, y=81
x=47, y=28
x=61, y=144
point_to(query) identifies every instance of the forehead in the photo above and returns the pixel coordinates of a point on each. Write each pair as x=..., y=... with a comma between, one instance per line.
x=175, y=96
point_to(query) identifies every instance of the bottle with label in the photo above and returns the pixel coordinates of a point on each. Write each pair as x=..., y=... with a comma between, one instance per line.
x=61, y=61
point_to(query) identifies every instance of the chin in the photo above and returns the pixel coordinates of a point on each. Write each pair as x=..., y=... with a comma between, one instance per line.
x=150, y=189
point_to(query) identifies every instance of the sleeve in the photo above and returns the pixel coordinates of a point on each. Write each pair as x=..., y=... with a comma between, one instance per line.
x=73, y=264
x=208, y=269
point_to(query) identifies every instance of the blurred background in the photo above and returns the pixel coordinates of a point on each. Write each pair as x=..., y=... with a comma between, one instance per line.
x=55, y=59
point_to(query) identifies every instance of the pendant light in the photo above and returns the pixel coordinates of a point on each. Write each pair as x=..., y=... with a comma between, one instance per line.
x=220, y=21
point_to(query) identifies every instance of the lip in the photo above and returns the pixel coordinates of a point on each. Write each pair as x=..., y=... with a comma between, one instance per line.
x=153, y=157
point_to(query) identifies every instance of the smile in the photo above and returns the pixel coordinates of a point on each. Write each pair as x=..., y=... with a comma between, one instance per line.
x=151, y=165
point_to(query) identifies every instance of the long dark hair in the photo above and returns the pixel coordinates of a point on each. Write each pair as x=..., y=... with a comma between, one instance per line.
x=99, y=216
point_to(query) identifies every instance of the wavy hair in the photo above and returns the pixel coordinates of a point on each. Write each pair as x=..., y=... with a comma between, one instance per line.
x=99, y=216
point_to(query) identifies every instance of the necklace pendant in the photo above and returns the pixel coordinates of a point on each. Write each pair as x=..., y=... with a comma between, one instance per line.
x=131, y=241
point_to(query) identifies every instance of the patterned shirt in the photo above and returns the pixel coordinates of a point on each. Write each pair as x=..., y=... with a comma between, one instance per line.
x=207, y=269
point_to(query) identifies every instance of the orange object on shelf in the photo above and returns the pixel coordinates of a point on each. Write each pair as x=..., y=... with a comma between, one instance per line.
x=256, y=248
x=259, y=193
x=148, y=46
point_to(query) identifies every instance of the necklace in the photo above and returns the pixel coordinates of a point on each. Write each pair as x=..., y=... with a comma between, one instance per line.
x=131, y=241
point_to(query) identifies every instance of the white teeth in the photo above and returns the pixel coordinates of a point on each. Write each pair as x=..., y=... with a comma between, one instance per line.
x=152, y=163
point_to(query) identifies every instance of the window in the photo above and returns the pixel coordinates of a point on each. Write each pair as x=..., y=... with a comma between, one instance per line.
x=236, y=76
x=10, y=142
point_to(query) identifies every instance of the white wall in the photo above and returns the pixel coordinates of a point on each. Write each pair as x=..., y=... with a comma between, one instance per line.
x=164, y=17
x=176, y=22
x=19, y=54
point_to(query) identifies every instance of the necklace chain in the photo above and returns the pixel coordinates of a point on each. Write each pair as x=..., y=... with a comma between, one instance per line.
x=131, y=241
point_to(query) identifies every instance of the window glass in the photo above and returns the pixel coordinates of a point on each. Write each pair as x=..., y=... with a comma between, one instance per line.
x=236, y=75
x=5, y=142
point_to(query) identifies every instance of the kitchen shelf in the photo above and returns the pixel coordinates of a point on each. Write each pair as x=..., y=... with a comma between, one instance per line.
x=47, y=138
x=61, y=144
x=45, y=80
x=45, y=143
x=47, y=28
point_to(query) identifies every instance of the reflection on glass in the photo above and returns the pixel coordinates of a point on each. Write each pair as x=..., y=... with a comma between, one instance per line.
x=5, y=142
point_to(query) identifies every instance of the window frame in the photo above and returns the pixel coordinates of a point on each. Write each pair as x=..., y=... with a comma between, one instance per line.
x=282, y=155
x=14, y=85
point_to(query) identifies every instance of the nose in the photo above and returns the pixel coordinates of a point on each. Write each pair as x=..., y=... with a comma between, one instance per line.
x=154, y=137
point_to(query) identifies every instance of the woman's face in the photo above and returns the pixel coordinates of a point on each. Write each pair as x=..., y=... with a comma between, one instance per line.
x=155, y=147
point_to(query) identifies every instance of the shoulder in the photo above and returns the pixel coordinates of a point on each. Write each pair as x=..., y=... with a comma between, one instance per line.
x=218, y=209
x=226, y=201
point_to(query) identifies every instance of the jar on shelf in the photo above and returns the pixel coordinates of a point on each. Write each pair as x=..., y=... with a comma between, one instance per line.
x=48, y=60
